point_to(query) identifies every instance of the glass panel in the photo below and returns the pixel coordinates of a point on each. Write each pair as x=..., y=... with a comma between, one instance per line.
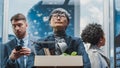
x=91, y=11
x=1, y=24
x=38, y=18
x=37, y=13
x=117, y=33
x=16, y=7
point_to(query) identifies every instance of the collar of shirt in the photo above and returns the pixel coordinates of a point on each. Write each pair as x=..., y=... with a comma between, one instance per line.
x=95, y=48
x=25, y=39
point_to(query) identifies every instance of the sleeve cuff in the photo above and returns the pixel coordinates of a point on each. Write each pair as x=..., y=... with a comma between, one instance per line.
x=12, y=61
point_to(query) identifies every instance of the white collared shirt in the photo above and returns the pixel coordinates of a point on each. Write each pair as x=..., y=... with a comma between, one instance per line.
x=26, y=40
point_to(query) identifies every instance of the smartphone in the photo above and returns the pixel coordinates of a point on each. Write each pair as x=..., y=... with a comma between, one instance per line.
x=17, y=48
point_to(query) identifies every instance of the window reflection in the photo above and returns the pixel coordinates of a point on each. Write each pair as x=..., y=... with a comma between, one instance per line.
x=1, y=23
x=117, y=33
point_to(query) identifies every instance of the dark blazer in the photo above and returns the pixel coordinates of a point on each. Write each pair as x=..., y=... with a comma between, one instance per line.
x=73, y=43
x=8, y=47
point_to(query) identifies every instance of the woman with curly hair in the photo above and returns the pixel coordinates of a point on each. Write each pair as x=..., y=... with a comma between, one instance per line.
x=94, y=35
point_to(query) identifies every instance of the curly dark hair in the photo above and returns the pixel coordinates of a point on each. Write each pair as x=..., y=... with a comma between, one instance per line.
x=92, y=33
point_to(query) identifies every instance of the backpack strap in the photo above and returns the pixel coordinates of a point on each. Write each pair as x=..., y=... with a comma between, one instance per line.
x=106, y=59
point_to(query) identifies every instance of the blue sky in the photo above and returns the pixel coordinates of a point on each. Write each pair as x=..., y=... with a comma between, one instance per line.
x=117, y=5
x=90, y=11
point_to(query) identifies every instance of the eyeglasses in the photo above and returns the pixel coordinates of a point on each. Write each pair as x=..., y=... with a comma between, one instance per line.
x=58, y=15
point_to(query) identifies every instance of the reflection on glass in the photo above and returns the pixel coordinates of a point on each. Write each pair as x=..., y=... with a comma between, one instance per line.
x=1, y=22
x=117, y=33
x=39, y=14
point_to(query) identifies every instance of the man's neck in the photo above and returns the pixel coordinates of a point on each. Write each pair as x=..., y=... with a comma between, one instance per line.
x=60, y=33
x=25, y=35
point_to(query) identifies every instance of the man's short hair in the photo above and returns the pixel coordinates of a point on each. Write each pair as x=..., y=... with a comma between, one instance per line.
x=18, y=17
x=59, y=11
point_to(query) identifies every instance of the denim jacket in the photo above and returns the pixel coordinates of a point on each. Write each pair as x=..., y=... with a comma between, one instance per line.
x=73, y=43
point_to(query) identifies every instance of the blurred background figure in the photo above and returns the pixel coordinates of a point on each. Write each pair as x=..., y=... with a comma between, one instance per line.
x=94, y=35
